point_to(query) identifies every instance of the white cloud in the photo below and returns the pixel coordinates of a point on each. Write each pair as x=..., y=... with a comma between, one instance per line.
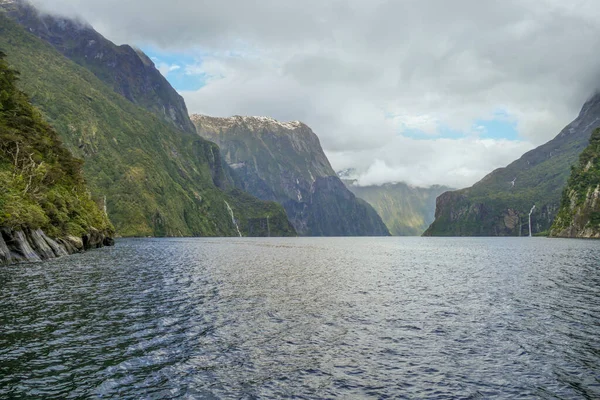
x=360, y=72
x=164, y=68
x=427, y=162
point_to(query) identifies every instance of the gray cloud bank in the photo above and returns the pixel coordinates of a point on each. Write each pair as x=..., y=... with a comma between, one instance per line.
x=361, y=72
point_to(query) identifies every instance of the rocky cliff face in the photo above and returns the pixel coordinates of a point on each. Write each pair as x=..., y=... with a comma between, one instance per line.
x=284, y=162
x=499, y=204
x=152, y=179
x=405, y=210
x=127, y=71
x=579, y=214
x=28, y=245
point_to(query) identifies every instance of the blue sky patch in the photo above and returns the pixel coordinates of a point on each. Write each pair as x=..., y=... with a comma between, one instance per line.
x=499, y=126
x=498, y=129
x=177, y=68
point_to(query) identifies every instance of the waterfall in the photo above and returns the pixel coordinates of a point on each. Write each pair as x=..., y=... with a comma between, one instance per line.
x=233, y=218
x=268, y=227
x=530, y=212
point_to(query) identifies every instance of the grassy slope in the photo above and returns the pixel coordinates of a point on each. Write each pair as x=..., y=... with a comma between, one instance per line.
x=42, y=183
x=157, y=181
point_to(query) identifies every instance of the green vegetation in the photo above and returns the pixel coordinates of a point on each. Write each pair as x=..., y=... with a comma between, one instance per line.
x=42, y=184
x=127, y=71
x=579, y=214
x=157, y=181
x=259, y=218
x=496, y=207
x=405, y=210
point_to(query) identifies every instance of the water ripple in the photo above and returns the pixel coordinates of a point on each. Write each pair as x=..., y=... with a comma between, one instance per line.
x=306, y=318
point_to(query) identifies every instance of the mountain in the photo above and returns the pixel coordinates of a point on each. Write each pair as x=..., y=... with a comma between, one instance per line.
x=579, y=213
x=405, y=210
x=284, y=162
x=499, y=204
x=157, y=180
x=46, y=210
x=126, y=70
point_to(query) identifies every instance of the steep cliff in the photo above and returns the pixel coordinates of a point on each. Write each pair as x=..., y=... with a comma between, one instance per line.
x=127, y=71
x=284, y=162
x=579, y=213
x=499, y=204
x=405, y=210
x=157, y=181
x=46, y=210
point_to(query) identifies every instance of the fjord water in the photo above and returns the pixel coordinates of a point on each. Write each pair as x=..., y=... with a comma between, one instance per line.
x=306, y=318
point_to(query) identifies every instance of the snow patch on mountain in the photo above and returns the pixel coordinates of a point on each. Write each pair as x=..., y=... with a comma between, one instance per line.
x=253, y=122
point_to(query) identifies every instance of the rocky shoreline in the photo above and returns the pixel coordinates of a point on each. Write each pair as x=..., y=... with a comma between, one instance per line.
x=28, y=245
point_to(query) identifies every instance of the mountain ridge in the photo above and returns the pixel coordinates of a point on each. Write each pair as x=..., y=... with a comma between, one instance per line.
x=129, y=71
x=499, y=204
x=284, y=162
x=157, y=179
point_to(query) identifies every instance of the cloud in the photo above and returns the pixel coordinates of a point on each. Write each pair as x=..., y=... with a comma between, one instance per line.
x=429, y=162
x=364, y=73
x=165, y=68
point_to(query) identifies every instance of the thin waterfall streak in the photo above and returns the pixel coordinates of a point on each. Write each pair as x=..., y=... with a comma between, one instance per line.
x=233, y=218
x=530, y=212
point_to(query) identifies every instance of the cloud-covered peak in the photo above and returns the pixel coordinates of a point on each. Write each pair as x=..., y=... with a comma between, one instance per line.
x=421, y=91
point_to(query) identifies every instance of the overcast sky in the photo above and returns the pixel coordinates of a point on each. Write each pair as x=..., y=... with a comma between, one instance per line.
x=422, y=91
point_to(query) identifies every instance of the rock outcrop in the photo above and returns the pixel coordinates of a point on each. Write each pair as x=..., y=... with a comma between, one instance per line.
x=499, y=204
x=27, y=245
x=579, y=214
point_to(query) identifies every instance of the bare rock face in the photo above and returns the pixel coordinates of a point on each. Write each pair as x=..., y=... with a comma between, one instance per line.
x=19, y=248
x=284, y=162
x=29, y=245
x=72, y=244
x=93, y=240
x=39, y=244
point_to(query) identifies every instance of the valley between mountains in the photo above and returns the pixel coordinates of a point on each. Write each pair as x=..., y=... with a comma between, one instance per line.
x=96, y=143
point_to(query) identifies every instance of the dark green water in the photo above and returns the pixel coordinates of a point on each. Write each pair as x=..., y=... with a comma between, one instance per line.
x=306, y=318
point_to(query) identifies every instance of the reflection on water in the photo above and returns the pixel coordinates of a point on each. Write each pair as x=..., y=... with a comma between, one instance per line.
x=306, y=317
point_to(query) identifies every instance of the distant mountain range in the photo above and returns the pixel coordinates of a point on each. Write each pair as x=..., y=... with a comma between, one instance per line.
x=499, y=204
x=406, y=210
x=159, y=172
x=114, y=109
x=284, y=162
